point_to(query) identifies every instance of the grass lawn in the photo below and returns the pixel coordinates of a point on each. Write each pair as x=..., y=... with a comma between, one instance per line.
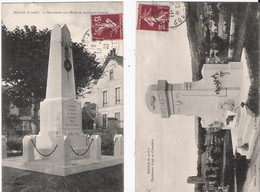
x=106, y=179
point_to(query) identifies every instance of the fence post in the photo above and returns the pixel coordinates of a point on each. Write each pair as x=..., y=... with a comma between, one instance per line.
x=4, y=147
x=61, y=156
x=118, y=145
x=28, y=148
x=95, y=148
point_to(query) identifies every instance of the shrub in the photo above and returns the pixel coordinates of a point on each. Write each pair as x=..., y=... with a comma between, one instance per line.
x=15, y=143
x=107, y=140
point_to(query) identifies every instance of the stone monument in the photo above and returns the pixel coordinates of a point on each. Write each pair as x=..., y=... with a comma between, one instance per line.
x=60, y=113
x=216, y=99
x=61, y=148
x=209, y=98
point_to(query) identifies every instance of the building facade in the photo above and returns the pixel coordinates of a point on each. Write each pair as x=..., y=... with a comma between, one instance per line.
x=108, y=92
x=24, y=114
x=14, y=118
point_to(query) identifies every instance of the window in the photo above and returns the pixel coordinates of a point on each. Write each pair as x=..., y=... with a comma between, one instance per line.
x=117, y=98
x=104, y=98
x=117, y=115
x=104, y=120
x=111, y=74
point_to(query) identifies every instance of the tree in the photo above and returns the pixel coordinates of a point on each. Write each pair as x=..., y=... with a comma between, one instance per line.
x=25, y=56
x=89, y=113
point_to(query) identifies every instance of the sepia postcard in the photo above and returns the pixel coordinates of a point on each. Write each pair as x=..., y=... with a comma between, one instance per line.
x=197, y=97
x=62, y=96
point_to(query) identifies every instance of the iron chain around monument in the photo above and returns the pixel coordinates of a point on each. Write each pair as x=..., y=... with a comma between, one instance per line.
x=85, y=151
x=44, y=155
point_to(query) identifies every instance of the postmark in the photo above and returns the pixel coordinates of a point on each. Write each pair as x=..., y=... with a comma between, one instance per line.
x=178, y=14
x=106, y=27
x=99, y=47
x=153, y=17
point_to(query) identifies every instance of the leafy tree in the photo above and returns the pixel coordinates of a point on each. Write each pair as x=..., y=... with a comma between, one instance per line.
x=25, y=56
x=88, y=115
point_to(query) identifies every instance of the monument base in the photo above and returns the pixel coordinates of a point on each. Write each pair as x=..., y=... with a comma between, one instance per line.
x=48, y=167
x=79, y=143
x=246, y=131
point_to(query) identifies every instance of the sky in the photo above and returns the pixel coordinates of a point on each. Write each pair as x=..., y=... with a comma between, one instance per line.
x=46, y=15
x=164, y=56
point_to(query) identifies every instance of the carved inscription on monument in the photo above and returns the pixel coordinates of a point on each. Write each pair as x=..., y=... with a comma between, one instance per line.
x=71, y=115
x=163, y=104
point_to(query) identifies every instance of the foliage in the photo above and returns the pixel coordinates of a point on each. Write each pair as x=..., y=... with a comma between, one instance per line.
x=107, y=142
x=252, y=57
x=218, y=43
x=230, y=118
x=91, y=109
x=25, y=64
x=225, y=6
x=86, y=68
x=216, y=81
x=88, y=115
x=213, y=164
x=14, y=143
x=25, y=57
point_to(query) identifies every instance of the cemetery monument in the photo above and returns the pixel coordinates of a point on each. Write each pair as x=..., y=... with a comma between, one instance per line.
x=216, y=99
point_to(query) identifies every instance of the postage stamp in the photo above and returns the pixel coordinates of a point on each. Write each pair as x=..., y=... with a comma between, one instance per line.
x=106, y=27
x=153, y=17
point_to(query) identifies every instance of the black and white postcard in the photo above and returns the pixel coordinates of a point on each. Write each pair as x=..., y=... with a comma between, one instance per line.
x=62, y=96
x=197, y=96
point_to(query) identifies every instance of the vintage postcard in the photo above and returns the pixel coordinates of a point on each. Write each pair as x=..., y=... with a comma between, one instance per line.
x=197, y=97
x=62, y=96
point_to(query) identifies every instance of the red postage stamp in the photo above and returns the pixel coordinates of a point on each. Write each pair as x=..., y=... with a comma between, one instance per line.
x=106, y=27
x=153, y=17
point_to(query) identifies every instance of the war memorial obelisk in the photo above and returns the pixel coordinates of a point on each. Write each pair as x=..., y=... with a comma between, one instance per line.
x=60, y=113
x=61, y=148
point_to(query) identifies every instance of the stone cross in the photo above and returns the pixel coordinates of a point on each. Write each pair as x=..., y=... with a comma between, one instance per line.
x=204, y=98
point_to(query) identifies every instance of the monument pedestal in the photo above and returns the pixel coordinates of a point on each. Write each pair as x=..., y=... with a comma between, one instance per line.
x=59, y=161
x=49, y=167
x=246, y=131
x=61, y=117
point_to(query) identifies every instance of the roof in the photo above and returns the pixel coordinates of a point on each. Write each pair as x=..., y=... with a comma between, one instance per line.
x=112, y=56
